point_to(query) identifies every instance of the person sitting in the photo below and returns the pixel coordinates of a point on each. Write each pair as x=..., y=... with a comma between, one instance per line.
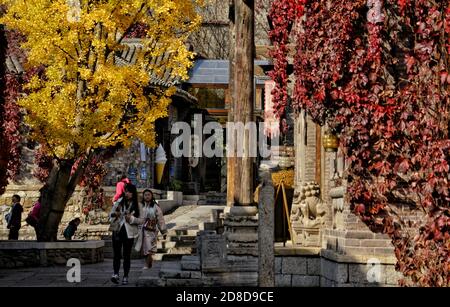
x=71, y=228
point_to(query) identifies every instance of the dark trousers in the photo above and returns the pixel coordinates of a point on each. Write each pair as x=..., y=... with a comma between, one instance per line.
x=120, y=240
x=13, y=233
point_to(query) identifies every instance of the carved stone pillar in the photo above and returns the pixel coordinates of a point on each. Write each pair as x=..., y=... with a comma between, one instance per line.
x=308, y=210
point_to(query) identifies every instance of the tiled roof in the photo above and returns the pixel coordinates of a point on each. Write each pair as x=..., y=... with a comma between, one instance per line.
x=127, y=57
x=216, y=72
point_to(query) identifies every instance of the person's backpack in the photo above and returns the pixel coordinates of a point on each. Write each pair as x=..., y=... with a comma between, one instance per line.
x=8, y=215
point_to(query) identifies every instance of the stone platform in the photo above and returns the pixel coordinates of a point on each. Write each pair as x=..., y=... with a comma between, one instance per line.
x=14, y=254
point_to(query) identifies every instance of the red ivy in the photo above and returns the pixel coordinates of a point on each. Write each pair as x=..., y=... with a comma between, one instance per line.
x=282, y=15
x=378, y=73
x=9, y=110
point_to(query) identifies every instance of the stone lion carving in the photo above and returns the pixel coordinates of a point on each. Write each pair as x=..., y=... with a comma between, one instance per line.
x=307, y=207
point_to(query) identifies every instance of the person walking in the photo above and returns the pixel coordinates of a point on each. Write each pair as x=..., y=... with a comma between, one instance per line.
x=120, y=187
x=33, y=217
x=15, y=218
x=124, y=218
x=152, y=223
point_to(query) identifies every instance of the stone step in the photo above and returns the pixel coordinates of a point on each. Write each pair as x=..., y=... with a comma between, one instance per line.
x=166, y=244
x=168, y=257
x=150, y=281
x=190, y=263
x=194, y=197
x=184, y=232
x=190, y=202
x=182, y=250
x=181, y=238
x=207, y=226
x=179, y=274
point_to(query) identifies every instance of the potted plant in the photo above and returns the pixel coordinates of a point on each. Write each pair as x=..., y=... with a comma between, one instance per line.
x=175, y=191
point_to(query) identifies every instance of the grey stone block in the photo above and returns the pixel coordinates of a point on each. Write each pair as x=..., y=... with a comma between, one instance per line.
x=337, y=272
x=354, y=234
x=196, y=274
x=190, y=265
x=183, y=283
x=151, y=282
x=168, y=273
x=384, y=251
x=278, y=261
x=375, y=243
x=283, y=280
x=353, y=242
x=313, y=266
x=324, y=282
x=185, y=274
x=237, y=279
x=305, y=281
x=294, y=265
x=358, y=273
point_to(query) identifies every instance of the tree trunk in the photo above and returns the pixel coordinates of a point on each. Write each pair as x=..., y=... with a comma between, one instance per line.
x=231, y=159
x=243, y=97
x=54, y=197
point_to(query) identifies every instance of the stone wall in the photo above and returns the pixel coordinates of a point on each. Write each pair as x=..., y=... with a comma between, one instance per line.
x=327, y=270
x=136, y=162
x=15, y=254
x=297, y=271
x=93, y=227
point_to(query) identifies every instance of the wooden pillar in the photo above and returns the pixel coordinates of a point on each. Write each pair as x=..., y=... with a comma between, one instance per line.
x=231, y=160
x=242, y=91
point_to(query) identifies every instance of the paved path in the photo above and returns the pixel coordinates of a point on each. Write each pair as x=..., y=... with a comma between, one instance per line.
x=99, y=274
x=92, y=275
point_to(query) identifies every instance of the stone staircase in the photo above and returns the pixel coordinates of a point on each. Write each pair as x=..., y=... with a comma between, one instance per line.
x=177, y=244
x=209, y=198
x=214, y=264
x=194, y=200
x=215, y=198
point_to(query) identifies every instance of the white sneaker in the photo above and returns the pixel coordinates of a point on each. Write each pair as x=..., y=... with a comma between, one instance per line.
x=125, y=281
x=115, y=278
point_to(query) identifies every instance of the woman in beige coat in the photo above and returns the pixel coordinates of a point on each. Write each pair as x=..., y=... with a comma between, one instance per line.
x=124, y=218
x=152, y=220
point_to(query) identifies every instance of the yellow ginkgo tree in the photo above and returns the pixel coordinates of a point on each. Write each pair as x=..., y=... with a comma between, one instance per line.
x=87, y=100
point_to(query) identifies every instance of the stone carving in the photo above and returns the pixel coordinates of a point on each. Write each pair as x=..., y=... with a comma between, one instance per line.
x=308, y=209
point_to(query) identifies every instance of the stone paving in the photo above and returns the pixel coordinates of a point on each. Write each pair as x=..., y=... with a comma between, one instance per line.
x=98, y=275
x=92, y=275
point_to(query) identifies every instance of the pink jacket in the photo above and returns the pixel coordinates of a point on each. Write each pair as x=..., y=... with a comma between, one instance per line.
x=120, y=188
x=36, y=210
